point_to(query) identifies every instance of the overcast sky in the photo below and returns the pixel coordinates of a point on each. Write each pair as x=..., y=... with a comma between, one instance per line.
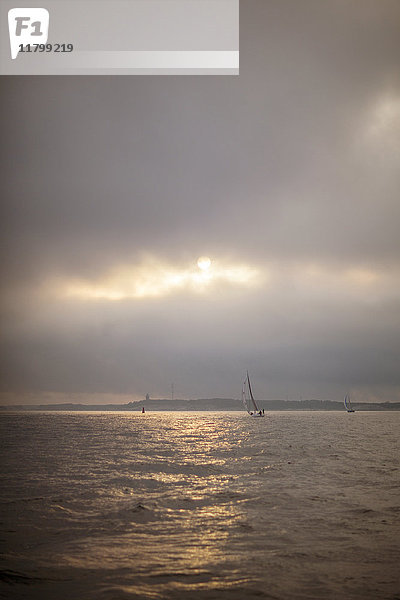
x=287, y=177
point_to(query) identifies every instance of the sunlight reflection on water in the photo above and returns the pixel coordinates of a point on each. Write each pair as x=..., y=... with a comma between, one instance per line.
x=120, y=505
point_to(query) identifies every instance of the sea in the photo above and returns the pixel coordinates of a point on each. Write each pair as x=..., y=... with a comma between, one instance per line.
x=172, y=505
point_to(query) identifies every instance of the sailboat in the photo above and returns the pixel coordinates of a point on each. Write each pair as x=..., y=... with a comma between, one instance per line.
x=248, y=399
x=347, y=404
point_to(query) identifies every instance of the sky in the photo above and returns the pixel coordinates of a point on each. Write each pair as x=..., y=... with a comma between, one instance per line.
x=286, y=177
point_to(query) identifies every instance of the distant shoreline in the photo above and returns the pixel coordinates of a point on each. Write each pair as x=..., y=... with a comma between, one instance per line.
x=205, y=405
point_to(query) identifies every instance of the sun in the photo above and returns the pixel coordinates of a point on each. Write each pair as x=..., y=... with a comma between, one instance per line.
x=204, y=263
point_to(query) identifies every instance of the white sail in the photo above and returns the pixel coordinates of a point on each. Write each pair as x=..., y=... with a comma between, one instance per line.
x=244, y=398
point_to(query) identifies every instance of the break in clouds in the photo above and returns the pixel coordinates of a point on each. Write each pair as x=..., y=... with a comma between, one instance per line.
x=287, y=177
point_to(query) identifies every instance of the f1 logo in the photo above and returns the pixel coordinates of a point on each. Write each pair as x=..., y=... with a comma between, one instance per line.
x=27, y=26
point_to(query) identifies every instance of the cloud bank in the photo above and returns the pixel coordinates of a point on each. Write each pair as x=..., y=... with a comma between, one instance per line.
x=287, y=177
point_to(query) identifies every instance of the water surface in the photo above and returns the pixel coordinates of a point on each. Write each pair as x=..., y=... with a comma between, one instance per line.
x=301, y=505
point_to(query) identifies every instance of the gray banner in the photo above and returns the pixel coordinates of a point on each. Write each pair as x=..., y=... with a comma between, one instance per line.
x=81, y=37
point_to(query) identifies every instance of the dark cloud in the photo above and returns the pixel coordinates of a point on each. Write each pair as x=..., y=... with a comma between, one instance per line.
x=290, y=167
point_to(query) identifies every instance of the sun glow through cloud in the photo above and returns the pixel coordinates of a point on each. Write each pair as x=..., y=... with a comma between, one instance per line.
x=204, y=263
x=382, y=130
x=155, y=279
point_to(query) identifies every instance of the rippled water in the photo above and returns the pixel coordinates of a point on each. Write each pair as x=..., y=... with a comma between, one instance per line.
x=301, y=505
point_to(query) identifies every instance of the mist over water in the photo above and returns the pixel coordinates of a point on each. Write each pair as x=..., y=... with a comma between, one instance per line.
x=301, y=505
